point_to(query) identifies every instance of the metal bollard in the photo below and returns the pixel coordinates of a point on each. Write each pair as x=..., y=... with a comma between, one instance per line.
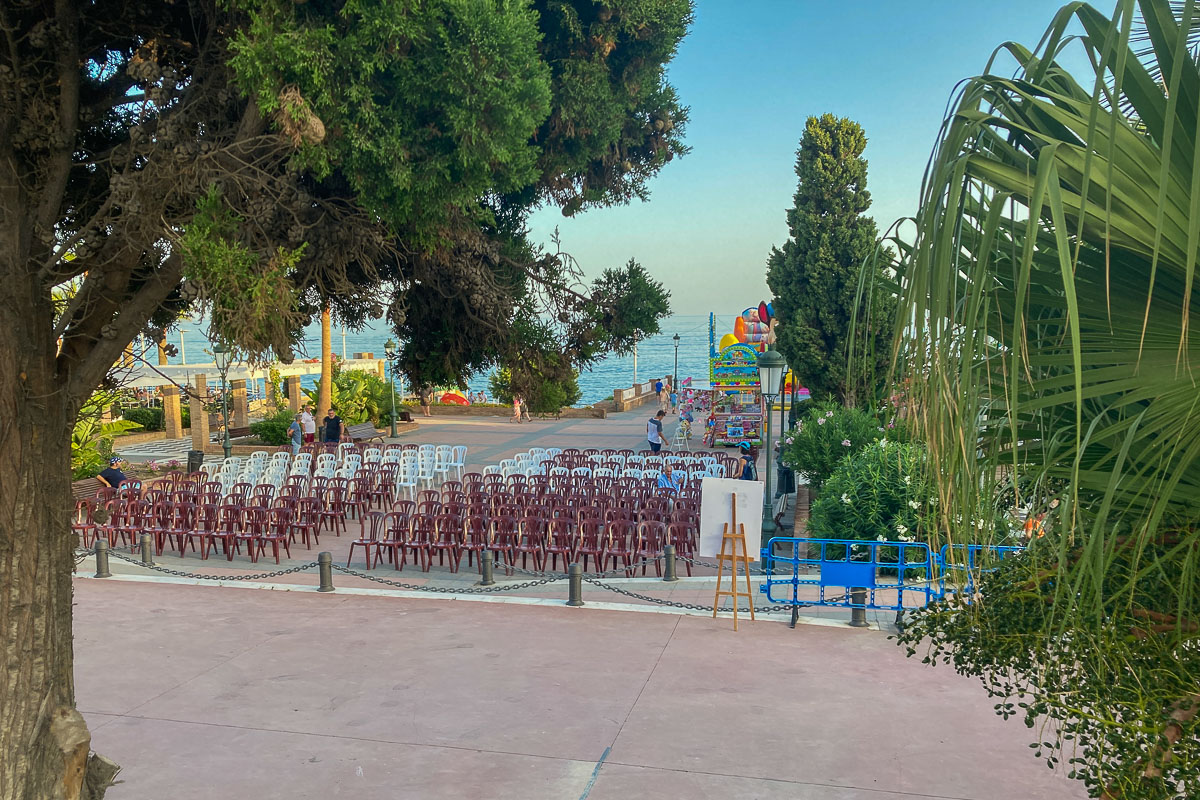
x=147, y=550
x=574, y=585
x=102, y=558
x=858, y=616
x=487, y=563
x=669, y=572
x=325, y=568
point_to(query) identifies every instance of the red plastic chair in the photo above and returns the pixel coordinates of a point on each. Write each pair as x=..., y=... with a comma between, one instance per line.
x=227, y=528
x=531, y=541
x=277, y=531
x=622, y=544
x=504, y=535
x=447, y=540
x=422, y=532
x=650, y=539
x=560, y=540
x=372, y=532
x=396, y=528
x=475, y=536
x=256, y=523
x=83, y=523
x=592, y=542
x=306, y=522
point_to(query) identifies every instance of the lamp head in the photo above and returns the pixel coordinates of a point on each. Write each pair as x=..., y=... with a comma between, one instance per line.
x=389, y=346
x=770, y=371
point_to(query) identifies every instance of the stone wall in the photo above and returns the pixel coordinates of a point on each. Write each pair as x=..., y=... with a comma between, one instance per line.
x=634, y=396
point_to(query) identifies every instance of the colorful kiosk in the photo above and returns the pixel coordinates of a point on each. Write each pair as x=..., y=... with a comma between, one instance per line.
x=736, y=402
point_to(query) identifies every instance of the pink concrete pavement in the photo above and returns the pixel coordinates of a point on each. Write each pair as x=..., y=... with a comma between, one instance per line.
x=205, y=692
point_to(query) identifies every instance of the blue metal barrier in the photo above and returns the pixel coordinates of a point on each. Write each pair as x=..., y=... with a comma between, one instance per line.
x=972, y=560
x=908, y=575
x=892, y=575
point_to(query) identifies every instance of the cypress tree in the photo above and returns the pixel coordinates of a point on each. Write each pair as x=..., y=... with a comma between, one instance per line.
x=815, y=275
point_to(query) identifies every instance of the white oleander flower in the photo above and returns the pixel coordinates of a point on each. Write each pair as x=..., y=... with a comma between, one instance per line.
x=828, y=413
x=907, y=480
x=901, y=529
x=880, y=538
x=845, y=442
x=820, y=420
x=913, y=504
x=845, y=498
x=980, y=524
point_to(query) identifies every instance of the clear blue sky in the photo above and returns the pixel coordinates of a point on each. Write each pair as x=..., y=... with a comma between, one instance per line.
x=752, y=72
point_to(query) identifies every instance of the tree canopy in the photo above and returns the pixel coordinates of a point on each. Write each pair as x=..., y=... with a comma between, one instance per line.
x=258, y=160
x=815, y=276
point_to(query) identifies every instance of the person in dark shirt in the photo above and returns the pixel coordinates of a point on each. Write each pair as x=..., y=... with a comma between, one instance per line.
x=333, y=426
x=113, y=476
x=746, y=462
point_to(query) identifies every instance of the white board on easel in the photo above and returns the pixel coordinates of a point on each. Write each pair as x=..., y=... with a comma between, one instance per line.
x=716, y=510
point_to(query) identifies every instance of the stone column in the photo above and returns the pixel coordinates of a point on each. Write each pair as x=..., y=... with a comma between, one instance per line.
x=199, y=415
x=172, y=416
x=238, y=410
x=295, y=398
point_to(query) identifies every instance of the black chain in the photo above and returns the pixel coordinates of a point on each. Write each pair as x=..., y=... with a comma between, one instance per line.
x=610, y=573
x=676, y=604
x=508, y=587
x=258, y=576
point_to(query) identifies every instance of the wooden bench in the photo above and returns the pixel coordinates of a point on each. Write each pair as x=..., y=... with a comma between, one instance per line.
x=363, y=432
x=85, y=489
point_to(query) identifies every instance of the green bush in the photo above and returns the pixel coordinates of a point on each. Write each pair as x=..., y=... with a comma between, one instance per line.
x=185, y=415
x=273, y=429
x=151, y=419
x=824, y=437
x=542, y=394
x=882, y=492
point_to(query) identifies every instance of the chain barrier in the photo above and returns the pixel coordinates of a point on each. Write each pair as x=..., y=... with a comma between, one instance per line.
x=450, y=589
x=258, y=576
x=770, y=609
x=645, y=562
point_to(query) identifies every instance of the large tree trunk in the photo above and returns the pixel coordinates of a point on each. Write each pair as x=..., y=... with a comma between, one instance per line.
x=44, y=743
x=326, y=386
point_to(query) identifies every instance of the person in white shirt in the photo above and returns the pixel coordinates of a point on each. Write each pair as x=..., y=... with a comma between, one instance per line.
x=654, y=431
x=308, y=424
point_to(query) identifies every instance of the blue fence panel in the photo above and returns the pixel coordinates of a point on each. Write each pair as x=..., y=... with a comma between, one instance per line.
x=971, y=560
x=892, y=575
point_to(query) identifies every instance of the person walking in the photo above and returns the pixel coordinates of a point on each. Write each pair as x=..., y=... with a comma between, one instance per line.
x=517, y=403
x=333, y=426
x=425, y=398
x=654, y=430
x=658, y=393
x=296, y=433
x=308, y=424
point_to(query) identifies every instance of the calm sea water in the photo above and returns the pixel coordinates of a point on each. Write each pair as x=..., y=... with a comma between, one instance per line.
x=655, y=357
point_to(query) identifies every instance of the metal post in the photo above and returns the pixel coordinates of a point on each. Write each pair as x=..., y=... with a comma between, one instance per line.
x=574, y=584
x=487, y=563
x=858, y=616
x=325, y=568
x=147, y=550
x=669, y=571
x=635, y=364
x=227, y=445
x=768, y=521
x=102, y=558
x=675, y=374
x=182, y=347
x=392, y=383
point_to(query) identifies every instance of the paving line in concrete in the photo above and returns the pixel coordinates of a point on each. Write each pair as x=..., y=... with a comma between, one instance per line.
x=470, y=598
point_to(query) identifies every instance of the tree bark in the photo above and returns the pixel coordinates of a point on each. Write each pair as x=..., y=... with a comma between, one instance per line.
x=44, y=742
x=325, y=389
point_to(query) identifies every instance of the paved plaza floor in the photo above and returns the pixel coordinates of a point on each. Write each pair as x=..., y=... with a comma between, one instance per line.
x=208, y=692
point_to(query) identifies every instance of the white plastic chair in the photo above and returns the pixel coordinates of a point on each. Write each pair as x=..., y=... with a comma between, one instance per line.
x=458, y=460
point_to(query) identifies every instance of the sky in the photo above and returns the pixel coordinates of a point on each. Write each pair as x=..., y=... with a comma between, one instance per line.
x=752, y=72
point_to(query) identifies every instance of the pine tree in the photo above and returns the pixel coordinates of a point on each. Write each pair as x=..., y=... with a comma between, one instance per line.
x=815, y=275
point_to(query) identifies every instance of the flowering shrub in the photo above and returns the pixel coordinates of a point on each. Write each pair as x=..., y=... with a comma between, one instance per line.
x=824, y=437
x=881, y=493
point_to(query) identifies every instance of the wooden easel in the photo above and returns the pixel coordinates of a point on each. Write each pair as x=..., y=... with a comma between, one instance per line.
x=733, y=535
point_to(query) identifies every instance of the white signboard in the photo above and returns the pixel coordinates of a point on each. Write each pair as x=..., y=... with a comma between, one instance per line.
x=716, y=510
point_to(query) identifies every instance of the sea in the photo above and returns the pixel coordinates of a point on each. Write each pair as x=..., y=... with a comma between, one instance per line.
x=655, y=356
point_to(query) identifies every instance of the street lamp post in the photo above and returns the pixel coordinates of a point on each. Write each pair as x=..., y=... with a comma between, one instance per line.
x=389, y=347
x=222, y=354
x=675, y=374
x=770, y=374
